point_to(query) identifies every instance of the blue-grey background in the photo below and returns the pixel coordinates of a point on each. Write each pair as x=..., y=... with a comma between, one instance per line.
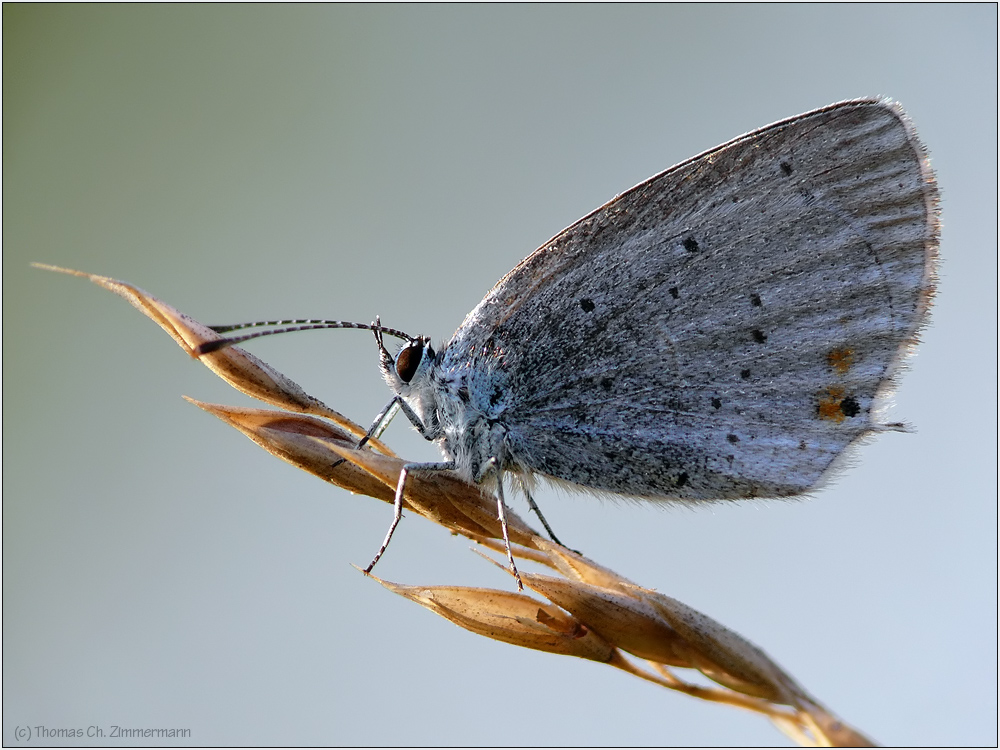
x=245, y=162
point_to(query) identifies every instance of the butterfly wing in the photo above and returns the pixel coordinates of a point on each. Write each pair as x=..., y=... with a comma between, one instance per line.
x=724, y=329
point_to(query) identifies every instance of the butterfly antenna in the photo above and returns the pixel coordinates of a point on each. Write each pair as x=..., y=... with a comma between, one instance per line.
x=287, y=326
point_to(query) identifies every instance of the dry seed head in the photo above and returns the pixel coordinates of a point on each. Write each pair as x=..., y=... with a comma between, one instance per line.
x=579, y=568
x=303, y=441
x=725, y=656
x=512, y=618
x=239, y=368
x=630, y=623
x=835, y=732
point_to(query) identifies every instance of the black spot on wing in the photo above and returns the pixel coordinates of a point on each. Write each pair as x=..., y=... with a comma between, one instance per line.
x=850, y=407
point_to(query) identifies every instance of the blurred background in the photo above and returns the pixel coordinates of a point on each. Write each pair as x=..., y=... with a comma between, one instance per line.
x=251, y=162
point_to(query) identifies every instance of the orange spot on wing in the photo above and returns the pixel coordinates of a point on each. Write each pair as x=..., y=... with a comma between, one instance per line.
x=840, y=360
x=829, y=404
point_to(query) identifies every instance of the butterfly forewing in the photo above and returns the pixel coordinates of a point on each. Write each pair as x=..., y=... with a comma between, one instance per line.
x=726, y=328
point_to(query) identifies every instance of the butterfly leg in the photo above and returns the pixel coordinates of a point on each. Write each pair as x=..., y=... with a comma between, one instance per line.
x=398, y=502
x=502, y=515
x=538, y=512
x=385, y=416
x=382, y=420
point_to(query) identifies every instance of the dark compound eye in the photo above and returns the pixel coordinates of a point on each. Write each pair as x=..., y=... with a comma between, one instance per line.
x=408, y=360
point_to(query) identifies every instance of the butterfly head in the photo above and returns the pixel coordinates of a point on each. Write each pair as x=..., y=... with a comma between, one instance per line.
x=409, y=366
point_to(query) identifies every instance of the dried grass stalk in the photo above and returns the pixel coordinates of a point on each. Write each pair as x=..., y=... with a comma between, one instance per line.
x=592, y=612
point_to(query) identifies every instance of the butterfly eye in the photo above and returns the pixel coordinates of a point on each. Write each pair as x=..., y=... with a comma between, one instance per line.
x=408, y=360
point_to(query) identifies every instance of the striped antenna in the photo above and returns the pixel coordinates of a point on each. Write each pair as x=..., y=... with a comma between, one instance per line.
x=287, y=326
